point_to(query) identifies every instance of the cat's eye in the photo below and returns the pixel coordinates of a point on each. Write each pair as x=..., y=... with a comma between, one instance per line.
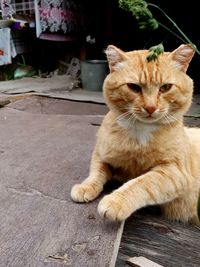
x=134, y=87
x=165, y=87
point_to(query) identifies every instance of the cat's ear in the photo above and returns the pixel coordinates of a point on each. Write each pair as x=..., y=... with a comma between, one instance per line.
x=183, y=55
x=115, y=57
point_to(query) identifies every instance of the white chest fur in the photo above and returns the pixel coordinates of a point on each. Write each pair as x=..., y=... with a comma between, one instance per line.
x=142, y=132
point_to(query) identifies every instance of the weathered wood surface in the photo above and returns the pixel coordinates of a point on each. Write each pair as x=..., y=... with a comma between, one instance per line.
x=168, y=244
x=41, y=157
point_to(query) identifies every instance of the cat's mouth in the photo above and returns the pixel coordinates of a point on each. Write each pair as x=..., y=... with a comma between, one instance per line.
x=149, y=119
x=163, y=118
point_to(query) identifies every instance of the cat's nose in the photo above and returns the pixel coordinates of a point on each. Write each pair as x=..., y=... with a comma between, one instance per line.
x=150, y=109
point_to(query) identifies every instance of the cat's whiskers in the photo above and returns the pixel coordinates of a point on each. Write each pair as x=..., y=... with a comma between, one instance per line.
x=167, y=119
x=170, y=120
x=173, y=118
x=134, y=111
x=124, y=115
x=131, y=121
x=164, y=114
x=128, y=117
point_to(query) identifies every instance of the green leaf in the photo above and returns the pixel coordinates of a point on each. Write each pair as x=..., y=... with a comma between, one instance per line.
x=139, y=9
x=154, y=52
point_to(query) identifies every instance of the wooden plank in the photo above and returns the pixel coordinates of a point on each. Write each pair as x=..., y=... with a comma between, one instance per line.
x=167, y=243
x=142, y=262
x=42, y=156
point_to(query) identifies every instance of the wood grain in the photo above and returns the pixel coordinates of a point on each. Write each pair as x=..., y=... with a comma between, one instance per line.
x=167, y=243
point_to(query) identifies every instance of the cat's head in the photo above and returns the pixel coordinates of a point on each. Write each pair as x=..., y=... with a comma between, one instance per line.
x=155, y=91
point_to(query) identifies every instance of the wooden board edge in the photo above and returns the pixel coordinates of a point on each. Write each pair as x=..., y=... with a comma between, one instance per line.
x=116, y=245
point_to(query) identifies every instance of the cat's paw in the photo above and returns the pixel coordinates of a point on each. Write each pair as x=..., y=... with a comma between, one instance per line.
x=85, y=192
x=113, y=208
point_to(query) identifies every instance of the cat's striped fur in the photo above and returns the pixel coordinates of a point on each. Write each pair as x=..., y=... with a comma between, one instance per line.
x=142, y=140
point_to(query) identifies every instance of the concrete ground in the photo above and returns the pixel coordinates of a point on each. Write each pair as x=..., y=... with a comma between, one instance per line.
x=45, y=148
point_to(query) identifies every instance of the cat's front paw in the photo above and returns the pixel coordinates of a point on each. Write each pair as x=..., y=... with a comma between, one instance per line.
x=85, y=192
x=113, y=208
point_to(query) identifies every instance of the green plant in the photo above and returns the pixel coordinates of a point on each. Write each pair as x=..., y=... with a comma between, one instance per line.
x=140, y=10
x=155, y=51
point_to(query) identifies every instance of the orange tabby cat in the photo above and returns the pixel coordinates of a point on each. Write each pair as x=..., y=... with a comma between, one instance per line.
x=142, y=139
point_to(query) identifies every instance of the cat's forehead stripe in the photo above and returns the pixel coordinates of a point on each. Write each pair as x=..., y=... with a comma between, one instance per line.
x=150, y=73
